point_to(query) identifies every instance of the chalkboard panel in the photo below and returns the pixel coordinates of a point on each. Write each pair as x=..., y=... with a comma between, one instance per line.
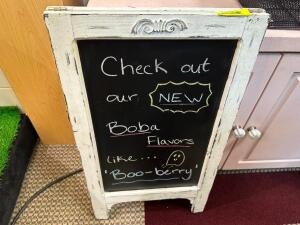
x=153, y=105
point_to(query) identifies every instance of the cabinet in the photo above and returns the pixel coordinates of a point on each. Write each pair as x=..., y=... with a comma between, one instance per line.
x=272, y=105
x=26, y=60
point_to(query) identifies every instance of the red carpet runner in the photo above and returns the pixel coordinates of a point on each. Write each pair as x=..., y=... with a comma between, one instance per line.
x=237, y=199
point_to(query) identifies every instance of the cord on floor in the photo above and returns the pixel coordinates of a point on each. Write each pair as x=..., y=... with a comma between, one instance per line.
x=40, y=191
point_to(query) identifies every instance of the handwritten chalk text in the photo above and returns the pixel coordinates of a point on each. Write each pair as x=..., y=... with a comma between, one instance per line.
x=201, y=68
x=178, y=98
x=127, y=69
x=185, y=174
x=120, y=98
x=156, y=67
x=157, y=141
x=122, y=130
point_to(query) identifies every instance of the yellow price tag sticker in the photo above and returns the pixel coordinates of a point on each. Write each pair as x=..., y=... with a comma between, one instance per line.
x=238, y=12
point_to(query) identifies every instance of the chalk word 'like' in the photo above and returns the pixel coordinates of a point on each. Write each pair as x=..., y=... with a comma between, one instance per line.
x=119, y=159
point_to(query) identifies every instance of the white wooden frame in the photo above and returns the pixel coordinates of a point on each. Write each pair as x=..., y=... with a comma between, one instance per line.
x=68, y=24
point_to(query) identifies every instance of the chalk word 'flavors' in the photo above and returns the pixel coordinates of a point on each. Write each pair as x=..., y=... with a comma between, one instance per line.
x=157, y=141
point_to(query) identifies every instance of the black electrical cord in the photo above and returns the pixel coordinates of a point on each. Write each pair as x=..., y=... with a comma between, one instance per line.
x=40, y=191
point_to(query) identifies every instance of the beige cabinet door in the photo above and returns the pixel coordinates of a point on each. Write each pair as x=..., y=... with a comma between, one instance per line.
x=27, y=61
x=275, y=100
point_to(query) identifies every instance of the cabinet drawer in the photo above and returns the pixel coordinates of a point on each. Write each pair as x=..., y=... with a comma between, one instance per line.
x=276, y=114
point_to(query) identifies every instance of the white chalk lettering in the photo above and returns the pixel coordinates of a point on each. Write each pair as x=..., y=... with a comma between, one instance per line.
x=145, y=71
x=121, y=98
x=184, y=174
x=190, y=68
x=158, y=67
x=178, y=99
x=193, y=100
x=189, y=173
x=154, y=140
x=119, y=129
x=126, y=66
x=102, y=66
x=119, y=159
x=128, y=69
x=117, y=175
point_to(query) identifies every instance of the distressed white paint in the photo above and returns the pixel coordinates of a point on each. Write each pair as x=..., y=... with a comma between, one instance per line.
x=67, y=24
x=151, y=194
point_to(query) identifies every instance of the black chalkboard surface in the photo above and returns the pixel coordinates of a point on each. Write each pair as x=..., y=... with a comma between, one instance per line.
x=153, y=105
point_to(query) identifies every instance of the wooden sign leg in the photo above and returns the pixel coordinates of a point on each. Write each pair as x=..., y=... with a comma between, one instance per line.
x=60, y=28
x=208, y=176
x=198, y=204
x=202, y=196
x=100, y=210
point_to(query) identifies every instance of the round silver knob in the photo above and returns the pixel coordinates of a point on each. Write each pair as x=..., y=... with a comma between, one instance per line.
x=239, y=132
x=254, y=133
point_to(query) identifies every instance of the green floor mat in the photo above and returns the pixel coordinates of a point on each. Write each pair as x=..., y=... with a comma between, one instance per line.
x=9, y=121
